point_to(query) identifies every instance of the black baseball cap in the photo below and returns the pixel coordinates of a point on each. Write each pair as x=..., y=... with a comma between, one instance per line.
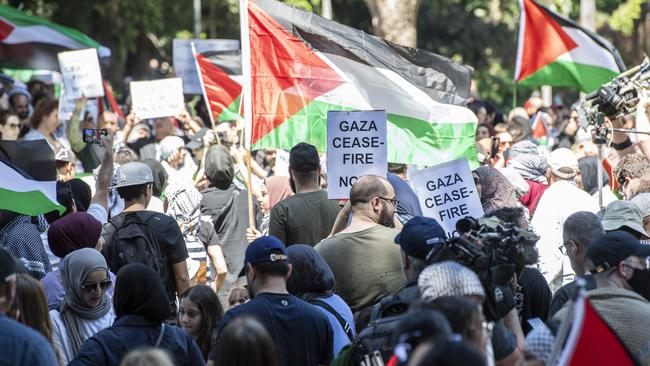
x=196, y=141
x=265, y=249
x=608, y=250
x=304, y=158
x=416, y=236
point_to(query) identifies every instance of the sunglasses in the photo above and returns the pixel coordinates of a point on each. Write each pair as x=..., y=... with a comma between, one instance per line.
x=94, y=286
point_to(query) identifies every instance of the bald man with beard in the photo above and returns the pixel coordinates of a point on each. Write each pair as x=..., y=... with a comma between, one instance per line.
x=363, y=256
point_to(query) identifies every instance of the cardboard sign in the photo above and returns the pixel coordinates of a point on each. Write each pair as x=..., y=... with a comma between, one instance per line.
x=81, y=73
x=447, y=193
x=157, y=98
x=184, y=64
x=356, y=146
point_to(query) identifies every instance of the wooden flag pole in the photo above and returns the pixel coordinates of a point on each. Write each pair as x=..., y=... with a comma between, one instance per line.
x=247, y=101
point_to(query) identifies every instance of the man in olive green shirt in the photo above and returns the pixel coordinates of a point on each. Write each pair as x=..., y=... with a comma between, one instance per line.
x=363, y=256
x=308, y=216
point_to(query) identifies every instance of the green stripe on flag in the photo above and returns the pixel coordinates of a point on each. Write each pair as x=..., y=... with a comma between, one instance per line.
x=231, y=113
x=30, y=203
x=586, y=78
x=410, y=140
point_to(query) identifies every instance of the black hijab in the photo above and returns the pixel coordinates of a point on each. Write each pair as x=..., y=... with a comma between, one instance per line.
x=310, y=274
x=159, y=176
x=589, y=173
x=139, y=291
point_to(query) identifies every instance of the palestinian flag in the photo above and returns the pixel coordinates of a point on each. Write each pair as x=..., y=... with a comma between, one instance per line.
x=555, y=51
x=29, y=42
x=28, y=184
x=303, y=65
x=591, y=341
x=220, y=76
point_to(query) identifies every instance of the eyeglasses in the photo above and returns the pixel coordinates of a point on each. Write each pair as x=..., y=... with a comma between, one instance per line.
x=392, y=201
x=94, y=286
x=563, y=247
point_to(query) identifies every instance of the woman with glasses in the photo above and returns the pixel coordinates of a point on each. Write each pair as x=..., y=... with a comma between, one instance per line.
x=9, y=126
x=86, y=308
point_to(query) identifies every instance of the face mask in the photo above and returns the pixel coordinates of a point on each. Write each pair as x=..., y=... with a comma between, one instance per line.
x=640, y=282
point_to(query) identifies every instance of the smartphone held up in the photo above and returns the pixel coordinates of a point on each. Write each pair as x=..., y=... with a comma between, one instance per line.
x=94, y=135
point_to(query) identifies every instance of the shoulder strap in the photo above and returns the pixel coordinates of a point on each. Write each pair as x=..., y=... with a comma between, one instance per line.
x=346, y=326
x=160, y=336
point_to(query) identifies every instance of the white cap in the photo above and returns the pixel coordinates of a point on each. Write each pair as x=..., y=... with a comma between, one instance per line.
x=563, y=158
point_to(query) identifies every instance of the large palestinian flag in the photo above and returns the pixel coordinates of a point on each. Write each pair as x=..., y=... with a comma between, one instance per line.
x=555, y=51
x=220, y=76
x=303, y=65
x=29, y=42
x=28, y=183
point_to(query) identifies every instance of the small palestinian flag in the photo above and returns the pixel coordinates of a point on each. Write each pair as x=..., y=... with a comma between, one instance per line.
x=28, y=183
x=555, y=51
x=303, y=66
x=591, y=341
x=29, y=42
x=220, y=75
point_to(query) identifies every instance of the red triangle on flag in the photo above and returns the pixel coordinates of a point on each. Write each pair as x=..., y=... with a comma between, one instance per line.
x=597, y=344
x=5, y=29
x=220, y=89
x=286, y=75
x=543, y=41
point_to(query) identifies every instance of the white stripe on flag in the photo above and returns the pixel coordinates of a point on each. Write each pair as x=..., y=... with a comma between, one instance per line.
x=14, y=181
x=41, y=34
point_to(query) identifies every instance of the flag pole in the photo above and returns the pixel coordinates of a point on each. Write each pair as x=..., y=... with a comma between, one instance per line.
x=247, y=100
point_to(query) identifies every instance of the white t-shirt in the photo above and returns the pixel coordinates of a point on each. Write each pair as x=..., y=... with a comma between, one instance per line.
x=98, y=212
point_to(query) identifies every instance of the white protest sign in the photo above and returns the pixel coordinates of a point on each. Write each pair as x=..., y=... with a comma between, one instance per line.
x=81, y=73
x=447, y=193
x=66, y=106
x=157, y=98
x=184, y=64
x=356, y=146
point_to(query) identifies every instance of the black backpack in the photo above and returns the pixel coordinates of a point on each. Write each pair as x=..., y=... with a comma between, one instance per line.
x=374, y=345
x=134, y=241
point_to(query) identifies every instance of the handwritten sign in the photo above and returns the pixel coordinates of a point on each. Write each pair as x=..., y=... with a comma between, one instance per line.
x=356, y=146
x=81, y=73
x=66, y=106
x=184, y=64
x=157, y=98
x=447, y=193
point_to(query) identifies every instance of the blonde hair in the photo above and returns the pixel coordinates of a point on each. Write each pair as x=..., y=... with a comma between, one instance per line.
x=147, y=357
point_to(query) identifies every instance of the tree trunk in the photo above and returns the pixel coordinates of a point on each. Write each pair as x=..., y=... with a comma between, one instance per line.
x=395, y=20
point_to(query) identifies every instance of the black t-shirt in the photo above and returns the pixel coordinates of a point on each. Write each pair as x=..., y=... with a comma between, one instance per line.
x=169, y=238
x=139, y=144
x=532, y=298
x=304, y=218
x=568, y=292
x=301, y=333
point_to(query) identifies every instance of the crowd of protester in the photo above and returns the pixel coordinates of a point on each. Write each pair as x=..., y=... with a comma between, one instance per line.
x=161, y=259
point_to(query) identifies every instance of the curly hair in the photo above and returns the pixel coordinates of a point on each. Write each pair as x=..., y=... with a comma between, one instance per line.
x=632, y=166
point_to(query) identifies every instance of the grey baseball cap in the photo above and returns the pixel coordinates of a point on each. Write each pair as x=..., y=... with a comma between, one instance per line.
x=623, y=213
x=132, y=174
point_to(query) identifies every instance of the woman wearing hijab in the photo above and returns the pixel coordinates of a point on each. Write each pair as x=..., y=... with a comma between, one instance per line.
x=312, y=280
x=159, y=183
x=86, y=309
x=494, y=189
x=74, y=231
x=274, y=190
x=589, y=179
x=141, y=307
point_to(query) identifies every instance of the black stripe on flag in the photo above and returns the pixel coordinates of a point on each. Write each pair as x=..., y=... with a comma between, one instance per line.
x=228, y=61
x=32, y=159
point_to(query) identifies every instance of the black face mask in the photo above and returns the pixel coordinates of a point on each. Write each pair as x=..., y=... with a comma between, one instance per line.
x=640, y=282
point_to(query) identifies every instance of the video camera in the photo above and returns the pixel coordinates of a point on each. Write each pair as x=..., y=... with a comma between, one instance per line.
x=494, y=250
x=614, y=99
